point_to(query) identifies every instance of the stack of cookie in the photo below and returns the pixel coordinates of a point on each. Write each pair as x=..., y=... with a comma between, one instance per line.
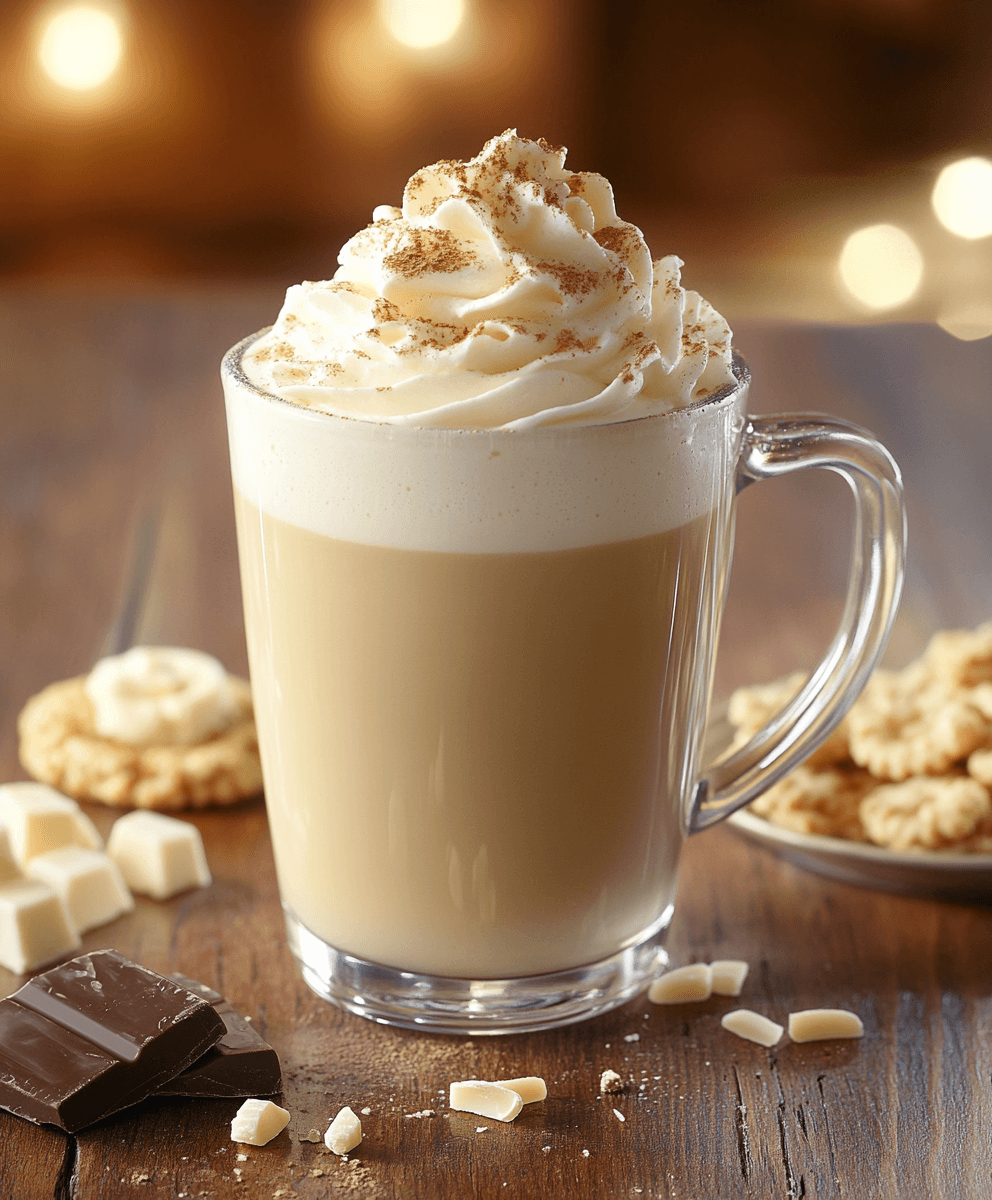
x=909, y=768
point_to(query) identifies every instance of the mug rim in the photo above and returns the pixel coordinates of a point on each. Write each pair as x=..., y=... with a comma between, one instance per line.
x=231, y=366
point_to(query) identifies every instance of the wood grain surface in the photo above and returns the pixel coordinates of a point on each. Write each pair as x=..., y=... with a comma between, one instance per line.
x=111, y=403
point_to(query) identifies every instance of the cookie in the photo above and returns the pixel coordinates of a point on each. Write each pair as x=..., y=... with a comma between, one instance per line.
x=898, y=728
x=59, y=746
x=752, y=707
x=961, y=657
x=826, y=802
x=950, y=812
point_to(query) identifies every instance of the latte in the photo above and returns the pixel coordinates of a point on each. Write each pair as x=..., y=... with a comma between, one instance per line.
x=475, y=763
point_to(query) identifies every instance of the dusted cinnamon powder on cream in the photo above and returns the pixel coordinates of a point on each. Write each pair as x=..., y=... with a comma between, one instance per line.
x=504, y=293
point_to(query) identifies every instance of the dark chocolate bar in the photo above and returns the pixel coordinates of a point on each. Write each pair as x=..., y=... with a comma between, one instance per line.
x=242, y=1063
x=95, y=1035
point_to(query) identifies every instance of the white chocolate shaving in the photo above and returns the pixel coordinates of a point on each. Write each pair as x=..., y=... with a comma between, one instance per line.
x=344, y=1133
x=752, y=1026
x=822, y=1024
x=530, y=1088
x=728, y=976
x=257, y=1122
x=485, y=1099
x=683, y=985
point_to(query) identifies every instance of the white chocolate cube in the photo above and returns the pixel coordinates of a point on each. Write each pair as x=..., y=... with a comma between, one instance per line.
x=344, y=1133
x=9, y=870
x=257, y=1122
x=485, y=1099
x=530, y=1088
x=38, y=819
x=158, y=855
x=683, y=985
x=90, y=884
x=34, y=926
x=753, y=1027
x=728, y=975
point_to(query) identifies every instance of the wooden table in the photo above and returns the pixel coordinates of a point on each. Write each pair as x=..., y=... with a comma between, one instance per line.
x=110, y=402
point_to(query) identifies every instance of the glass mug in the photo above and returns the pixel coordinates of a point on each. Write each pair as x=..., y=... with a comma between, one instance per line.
x=481, y=664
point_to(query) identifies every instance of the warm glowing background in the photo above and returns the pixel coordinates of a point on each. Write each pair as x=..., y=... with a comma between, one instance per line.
x=827, y=159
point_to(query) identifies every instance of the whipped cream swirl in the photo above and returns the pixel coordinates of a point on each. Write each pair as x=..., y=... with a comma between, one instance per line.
x=505, y=293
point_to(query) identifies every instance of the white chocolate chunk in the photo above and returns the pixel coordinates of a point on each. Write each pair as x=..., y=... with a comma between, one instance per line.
x=90, y=884
x=821, y=1024
x=34, y=926
x=344, y=1132
x=160, y=696
x=610, y=1083
x=682, y=985
x=752, y=1026
x=485, y=1099
x=158, y=855
x=728, y=976
x=38, y=819
x=9, y=870
x=258, y=1122
x=530, y=1088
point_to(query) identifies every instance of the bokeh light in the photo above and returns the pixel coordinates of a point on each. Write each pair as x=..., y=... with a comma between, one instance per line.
x=80, y=47
x=962, y=197
x=423, y=23
x=969, y=322
x=881, y=266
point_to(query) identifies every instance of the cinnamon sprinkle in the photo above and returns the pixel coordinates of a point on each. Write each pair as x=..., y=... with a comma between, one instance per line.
x=572, y=280
x=429, y=252
x=617, y=238
x=568, y=340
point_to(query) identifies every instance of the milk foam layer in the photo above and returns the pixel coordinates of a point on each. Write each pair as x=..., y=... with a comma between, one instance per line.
x=498, y=491
x=506, y=293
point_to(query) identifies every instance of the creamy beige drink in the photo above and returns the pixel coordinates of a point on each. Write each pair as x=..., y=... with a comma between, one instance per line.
x=484, y=525
x=469, y=748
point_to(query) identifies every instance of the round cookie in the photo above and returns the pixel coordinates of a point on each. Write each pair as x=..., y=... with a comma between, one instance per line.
x=752, y=707
x=59, y=746
x=942, y=813
x=899, y=729
x=824, y=801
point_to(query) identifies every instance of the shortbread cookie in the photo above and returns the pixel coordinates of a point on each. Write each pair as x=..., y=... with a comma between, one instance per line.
x=824, y=802
x=961, y=657
x=59, y=745
x=752, y=707
x=898, y=728
x=930, y=814
x=980, y=766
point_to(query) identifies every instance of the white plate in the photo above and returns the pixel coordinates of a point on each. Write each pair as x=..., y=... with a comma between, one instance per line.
x=924, y=873
x=937, y=874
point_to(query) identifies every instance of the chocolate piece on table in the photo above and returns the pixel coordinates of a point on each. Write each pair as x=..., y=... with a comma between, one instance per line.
x=242, y=1063
x=95, y=1035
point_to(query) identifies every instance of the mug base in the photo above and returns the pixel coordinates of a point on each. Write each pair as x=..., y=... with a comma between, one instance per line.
x=436, y=1004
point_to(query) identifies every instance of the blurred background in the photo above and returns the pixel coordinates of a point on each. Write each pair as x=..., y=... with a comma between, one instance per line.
x=169, y=167
x=819, y=159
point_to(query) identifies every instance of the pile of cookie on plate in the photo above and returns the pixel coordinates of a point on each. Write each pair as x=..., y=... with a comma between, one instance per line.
x=909, y=768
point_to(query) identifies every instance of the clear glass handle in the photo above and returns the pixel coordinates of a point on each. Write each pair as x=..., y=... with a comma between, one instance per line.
x=774, y=446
